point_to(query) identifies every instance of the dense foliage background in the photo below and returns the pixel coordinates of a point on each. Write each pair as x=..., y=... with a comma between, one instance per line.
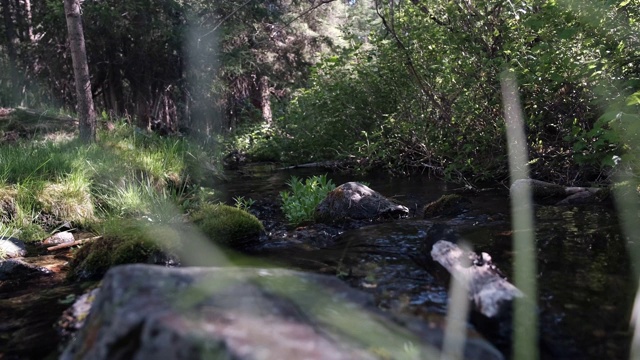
x=405, y=85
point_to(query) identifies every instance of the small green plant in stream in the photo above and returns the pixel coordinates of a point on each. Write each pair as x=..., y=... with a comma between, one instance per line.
x=300, y=203
x=244, y=204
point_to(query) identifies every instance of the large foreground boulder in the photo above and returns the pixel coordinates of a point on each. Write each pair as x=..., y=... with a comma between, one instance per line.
x=151, y=312
x=356, y=201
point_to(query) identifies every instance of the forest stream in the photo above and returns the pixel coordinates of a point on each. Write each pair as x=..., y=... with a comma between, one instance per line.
x=584, y=280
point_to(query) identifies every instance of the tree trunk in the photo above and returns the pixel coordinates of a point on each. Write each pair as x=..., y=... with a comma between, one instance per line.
x=12, y=43
x=265, y=103
x=86, y=111
x=28, y=18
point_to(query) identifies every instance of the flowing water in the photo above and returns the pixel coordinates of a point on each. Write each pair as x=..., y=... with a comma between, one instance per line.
x=585, y=286
x=584, y=277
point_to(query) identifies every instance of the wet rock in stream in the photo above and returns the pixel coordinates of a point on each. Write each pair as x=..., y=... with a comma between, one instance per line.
x=17, y=270
x=353, y=200
x=11, y=247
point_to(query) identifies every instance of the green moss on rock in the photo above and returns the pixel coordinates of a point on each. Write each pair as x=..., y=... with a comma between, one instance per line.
x=123, y=242
x=227, y=225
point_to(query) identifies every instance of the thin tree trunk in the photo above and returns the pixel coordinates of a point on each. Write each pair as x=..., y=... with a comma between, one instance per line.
x=265, y=102
x=28, y=17
x=86, y=111
x=12, y=43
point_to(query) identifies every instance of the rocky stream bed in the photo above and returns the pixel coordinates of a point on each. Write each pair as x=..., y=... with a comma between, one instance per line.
x=585, y=286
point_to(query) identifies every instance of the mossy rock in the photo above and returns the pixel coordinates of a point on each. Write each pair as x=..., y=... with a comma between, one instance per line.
x=446, y=205
x=227, y=225
x=124, y=242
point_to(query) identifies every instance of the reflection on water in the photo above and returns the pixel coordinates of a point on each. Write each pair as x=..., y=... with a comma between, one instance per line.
x=584, y=276
x=262, y=182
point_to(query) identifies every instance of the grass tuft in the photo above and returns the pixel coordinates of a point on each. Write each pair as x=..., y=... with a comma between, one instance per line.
x=128, y=173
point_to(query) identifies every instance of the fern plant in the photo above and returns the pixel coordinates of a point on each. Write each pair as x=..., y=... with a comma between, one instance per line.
x=299, y=204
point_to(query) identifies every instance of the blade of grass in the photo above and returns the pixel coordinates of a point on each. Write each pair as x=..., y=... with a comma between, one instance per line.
x=525, y=338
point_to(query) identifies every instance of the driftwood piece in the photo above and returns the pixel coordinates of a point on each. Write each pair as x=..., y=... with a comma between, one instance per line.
x=489, y=292
x=45, y=116
x=548, y=193
x=74, y=243
x=309, y=165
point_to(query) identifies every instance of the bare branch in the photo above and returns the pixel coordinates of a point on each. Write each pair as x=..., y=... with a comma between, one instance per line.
x=313, y=7
x=426, y=10
x=225, y=19
x=425, y=87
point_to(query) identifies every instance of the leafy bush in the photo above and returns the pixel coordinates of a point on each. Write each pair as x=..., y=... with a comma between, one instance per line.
x=256, y=141
x=226, y=224
x=428, y=97
x=300, y=203
x=326, y=120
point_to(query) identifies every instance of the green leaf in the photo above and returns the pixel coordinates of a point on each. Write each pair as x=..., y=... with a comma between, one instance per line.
x=567, y=33
x=634, y=99
x=556, y=77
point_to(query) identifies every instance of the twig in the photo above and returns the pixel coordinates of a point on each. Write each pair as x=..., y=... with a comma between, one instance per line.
x=73, y=243
x=223, y=20
x=305, y=12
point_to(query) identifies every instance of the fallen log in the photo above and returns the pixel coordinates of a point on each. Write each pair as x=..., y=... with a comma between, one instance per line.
x=44, y=116
x=309, y=165
x=74, y=243
x=545, y=193
x=490, y=293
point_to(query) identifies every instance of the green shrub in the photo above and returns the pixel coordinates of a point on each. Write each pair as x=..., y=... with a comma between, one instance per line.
x=257, y=141
x=226, y=224
x=299, y=204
